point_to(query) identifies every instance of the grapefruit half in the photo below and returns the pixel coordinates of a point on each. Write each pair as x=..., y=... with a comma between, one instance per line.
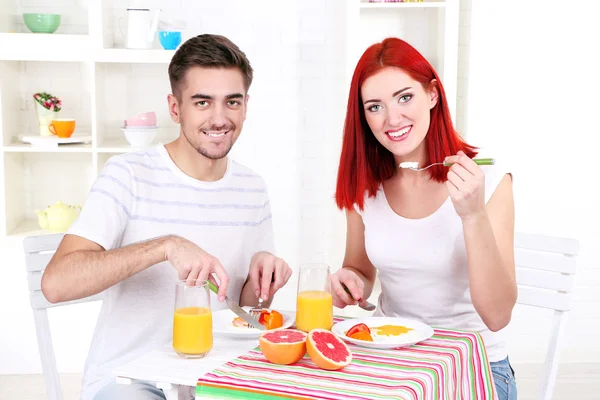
x=283, y=346
x=327, y=350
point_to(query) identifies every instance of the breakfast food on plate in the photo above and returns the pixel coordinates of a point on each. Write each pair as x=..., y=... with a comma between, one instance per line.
x=360, y=332
x=363, y=332
x=327, y=350
x=283, y=346
x=269, y=319
x=391, y=330
x=362, y=336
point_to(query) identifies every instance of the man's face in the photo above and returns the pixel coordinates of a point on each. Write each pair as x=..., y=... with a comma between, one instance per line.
x=211, y=109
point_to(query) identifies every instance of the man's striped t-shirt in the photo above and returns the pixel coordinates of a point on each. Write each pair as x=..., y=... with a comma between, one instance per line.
x=144, y=195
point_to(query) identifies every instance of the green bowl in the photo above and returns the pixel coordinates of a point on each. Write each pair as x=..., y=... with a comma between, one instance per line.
x=42, y=23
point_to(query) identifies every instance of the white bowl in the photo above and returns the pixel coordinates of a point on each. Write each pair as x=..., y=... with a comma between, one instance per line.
x=143, y=137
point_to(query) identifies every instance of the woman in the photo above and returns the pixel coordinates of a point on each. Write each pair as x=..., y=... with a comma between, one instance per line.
x=442, y=239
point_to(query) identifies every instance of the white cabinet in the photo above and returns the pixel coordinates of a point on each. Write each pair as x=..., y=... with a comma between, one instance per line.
x=429, y=26
x=100, y=84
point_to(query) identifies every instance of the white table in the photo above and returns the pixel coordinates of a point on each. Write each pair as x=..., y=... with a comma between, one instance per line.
x=178, y=376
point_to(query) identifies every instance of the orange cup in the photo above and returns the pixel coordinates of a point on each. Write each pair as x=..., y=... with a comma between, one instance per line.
x=63, y=128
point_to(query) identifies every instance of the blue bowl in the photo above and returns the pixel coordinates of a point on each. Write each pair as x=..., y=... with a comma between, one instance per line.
x=169, y=40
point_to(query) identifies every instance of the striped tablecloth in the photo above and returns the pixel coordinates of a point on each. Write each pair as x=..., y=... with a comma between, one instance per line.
x=450, y=365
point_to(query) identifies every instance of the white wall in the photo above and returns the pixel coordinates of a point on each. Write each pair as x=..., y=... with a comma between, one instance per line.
x=293, y=135
x=533, y=100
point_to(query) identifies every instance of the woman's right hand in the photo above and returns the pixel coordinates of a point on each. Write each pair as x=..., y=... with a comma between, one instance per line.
x=354, y=284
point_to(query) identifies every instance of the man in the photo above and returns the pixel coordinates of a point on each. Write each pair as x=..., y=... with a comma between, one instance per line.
x=181, y=211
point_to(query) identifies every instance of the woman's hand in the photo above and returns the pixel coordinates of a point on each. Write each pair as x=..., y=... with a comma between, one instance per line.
x=354, y=284
x=466, y=184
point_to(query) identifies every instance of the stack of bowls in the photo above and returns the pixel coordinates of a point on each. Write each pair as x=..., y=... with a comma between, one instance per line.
x=141, y=130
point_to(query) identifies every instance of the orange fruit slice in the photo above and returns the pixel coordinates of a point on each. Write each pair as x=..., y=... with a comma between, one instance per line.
x=362, y=336
x=327, y=350
x=285, y=346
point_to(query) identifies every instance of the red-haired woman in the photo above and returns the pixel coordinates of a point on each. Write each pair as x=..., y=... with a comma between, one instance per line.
x=441, y=240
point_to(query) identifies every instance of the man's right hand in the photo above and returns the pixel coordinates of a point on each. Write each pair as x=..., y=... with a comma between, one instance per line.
x=191, y=263
x=354, y=284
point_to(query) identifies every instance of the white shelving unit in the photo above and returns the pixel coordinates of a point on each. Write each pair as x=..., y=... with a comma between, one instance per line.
x=100, y=86
x=430, y=26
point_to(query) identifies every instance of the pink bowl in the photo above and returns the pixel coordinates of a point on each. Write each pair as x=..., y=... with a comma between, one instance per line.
x=143, y=119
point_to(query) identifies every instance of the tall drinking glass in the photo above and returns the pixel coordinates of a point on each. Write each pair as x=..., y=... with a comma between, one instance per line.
x=314, y=308
x=192, y=321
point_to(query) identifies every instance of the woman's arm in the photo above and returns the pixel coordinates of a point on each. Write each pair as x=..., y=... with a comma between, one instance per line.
x=356, y=265
x=489, y=239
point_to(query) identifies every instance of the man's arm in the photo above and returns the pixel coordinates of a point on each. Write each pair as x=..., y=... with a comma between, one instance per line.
x=81, y=268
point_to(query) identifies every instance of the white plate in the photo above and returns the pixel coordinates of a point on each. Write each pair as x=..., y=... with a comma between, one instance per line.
x=223, y=324
x=419, y=333
x=55, y=140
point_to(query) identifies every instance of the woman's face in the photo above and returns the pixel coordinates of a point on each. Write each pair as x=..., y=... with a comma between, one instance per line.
x=397, y=109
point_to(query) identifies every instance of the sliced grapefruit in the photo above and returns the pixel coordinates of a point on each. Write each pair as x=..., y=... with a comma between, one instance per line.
x=327, y=350
x=284, y=346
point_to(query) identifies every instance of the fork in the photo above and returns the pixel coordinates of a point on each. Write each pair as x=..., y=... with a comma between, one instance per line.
x=255, y=311
x=414, y=165
x=365, y=305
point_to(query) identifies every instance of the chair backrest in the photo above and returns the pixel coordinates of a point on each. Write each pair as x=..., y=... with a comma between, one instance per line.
x=38, y=252
x=545, y=268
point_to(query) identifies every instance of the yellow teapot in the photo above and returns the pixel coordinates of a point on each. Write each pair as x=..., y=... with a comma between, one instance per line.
x=58, y=217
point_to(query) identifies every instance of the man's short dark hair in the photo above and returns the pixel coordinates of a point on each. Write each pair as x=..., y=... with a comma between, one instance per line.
x=207, y=51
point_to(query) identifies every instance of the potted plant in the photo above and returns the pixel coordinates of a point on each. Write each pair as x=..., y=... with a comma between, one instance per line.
x=47, y=108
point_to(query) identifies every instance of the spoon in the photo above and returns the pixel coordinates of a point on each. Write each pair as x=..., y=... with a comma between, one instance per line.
x=414, y=165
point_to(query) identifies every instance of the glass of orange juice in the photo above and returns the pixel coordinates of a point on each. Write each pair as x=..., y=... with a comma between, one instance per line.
x=314, y=308
x=192, y=321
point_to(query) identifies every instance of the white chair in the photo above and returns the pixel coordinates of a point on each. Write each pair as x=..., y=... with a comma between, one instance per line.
x=38, y=252
x=545, y=268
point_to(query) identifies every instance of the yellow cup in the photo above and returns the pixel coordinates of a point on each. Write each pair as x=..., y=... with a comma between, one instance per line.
x=62, y=128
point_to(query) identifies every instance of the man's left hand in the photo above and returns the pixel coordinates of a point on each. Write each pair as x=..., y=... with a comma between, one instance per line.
x=268, y=274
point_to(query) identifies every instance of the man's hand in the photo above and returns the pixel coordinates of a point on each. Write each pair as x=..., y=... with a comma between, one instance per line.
x=268, y=274
x=191, y=263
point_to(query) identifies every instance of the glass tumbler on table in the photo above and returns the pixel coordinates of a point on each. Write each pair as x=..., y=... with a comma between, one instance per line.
x=314, y=307
x=192, y=320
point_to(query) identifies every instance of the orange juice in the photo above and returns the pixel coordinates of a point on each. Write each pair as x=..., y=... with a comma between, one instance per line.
x=192, y=331
x=314, y=310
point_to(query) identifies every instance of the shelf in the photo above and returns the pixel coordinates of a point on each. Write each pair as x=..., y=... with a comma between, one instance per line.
x=44, y=47
x=33, y=181
x=119, y=146
x=153, y=56
x=28, y=227
x=425, y=4
x=72, y=48
x=63, y=148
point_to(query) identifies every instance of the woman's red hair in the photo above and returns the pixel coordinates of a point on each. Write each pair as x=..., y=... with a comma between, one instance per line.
x=364, y=162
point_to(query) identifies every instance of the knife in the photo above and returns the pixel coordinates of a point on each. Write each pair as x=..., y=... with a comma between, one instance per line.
x=239, y=311
x=365, y=305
